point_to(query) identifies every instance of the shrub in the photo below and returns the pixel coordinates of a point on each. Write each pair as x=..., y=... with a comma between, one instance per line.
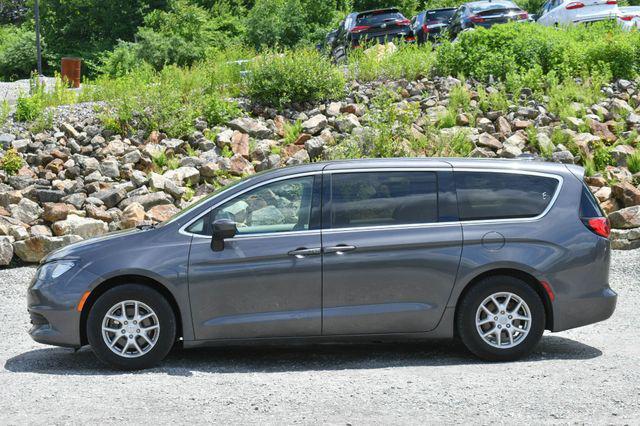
x=530, y=50
x=601, y=156
x=168, y=100
x=11, y=162
x=292, y=132
x=633, y=162
x=300, y=76
x=17, y=52
x=409, y=61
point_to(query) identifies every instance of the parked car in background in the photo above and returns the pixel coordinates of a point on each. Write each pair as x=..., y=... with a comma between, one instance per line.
x=430, y=24
x=372, y=26
x=568, y=12
x=629, y=17
x=485, y=14
x=492, y=251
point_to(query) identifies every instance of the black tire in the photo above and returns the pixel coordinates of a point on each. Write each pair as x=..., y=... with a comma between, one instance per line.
x=340, y=55
x=149, y=297
x=469, y=305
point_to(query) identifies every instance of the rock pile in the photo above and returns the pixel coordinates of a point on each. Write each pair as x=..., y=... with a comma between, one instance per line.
x=80, y=180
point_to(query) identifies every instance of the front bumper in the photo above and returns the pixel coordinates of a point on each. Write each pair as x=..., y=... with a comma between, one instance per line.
x=52, y=306
x=588, y=309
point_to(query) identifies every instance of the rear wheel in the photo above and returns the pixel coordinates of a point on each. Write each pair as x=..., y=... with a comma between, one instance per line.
x=501, y=319
x=131, y=327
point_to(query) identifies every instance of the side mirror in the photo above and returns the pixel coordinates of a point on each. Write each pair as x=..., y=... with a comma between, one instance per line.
x=222, y=229
x=534, y=17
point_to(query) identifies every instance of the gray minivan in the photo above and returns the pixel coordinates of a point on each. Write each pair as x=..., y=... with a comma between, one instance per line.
x=491, y=251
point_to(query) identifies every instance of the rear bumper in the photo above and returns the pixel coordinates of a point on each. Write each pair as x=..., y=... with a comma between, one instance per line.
x=588, y=309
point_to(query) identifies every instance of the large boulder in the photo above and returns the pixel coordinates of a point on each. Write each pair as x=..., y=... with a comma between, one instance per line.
x=315, y=124
x=252, y=127
x=111, y=197
x=35, y=248
x=147, y=200
x=626, y=218
x=85, y=227
x=26, y=211
x=6, y=250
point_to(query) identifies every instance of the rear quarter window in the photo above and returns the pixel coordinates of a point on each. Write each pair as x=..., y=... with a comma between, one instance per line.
x=488, y=195
x=589, y=206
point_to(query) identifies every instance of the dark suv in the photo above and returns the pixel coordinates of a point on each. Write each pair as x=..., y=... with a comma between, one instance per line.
x=485, y=14
x=372, y=26
x=492, y=251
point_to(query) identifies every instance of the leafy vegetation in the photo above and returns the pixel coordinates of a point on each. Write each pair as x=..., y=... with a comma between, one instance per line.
x=294, y=76
x=11, y=162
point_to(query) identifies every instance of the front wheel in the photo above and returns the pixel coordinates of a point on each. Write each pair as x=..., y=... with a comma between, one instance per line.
x=501, y=319
x=131, y=327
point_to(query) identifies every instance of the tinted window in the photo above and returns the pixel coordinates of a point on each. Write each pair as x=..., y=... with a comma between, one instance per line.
x=589, y=206
x=439, y=15
x=483, y=195
x=383, y=198
x=377, y=18
x=484, y=7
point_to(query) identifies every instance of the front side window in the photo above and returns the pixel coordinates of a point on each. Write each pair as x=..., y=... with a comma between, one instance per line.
x=383, y=199
x=281, y=206
x=488, y=195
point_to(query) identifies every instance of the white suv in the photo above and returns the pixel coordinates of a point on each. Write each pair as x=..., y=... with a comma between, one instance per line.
x=566, y=12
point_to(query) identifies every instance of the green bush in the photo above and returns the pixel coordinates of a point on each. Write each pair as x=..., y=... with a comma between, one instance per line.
x=633, y=162
x=532, y=50
x=17, y=52
x=11, y=162
x=294, y=76
x=409, y=61
x=168, y=100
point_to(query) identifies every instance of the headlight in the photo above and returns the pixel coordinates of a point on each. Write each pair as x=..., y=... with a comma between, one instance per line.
x=52, y=270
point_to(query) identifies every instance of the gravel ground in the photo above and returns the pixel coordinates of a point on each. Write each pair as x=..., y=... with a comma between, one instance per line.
x=588, y=375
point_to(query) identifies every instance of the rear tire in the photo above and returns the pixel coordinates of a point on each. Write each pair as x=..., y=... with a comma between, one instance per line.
x=131, y=327
x=501, y=319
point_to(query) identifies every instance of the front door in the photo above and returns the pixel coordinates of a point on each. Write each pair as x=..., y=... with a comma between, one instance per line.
x=267, y=281
x=390, y=255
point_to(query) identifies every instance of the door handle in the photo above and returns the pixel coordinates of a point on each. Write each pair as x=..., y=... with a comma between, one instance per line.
x=302, y=252
x=339, y=249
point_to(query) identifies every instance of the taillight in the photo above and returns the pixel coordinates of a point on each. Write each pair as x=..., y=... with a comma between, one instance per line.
x=403, y=22
x=359, y=28
x=574, y=5
x=524, y=15
x=410, y=38
x=612, y=1
x=425, y=28
x=626, y=18
x=598, y=225
x=476, y=19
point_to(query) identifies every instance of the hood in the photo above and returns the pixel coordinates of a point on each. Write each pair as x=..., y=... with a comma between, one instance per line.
x=76, y=250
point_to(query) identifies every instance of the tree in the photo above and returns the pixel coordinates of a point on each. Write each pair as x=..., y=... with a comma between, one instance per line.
x=12, y=11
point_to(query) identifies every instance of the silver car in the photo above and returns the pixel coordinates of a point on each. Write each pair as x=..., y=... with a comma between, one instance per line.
x=490, y=251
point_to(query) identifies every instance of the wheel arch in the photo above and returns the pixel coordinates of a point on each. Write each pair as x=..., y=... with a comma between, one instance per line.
x=116, y=281
x=532, y=281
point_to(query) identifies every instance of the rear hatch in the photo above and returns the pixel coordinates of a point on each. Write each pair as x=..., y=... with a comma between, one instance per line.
x=499, y=15
x=437, y=20
x=380, y=25
x=593, y=10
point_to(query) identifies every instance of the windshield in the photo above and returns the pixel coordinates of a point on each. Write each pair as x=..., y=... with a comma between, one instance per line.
x=204, y=199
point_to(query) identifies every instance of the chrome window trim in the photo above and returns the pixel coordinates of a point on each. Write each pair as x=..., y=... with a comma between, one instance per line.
x=183, y=229
x=558, y=178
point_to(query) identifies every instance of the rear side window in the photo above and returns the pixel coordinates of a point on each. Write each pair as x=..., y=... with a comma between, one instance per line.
x=439, y=15
x=383, y=198
x=488, y=195
x=589, y=206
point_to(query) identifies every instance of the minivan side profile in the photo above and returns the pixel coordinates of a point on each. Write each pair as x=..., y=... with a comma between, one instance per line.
x=491, y=251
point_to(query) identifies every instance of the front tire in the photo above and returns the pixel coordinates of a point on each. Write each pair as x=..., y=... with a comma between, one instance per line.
x=131, y=327
x=501, y=319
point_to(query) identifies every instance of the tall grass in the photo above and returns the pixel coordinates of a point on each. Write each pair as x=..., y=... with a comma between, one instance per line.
x=408, y=61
